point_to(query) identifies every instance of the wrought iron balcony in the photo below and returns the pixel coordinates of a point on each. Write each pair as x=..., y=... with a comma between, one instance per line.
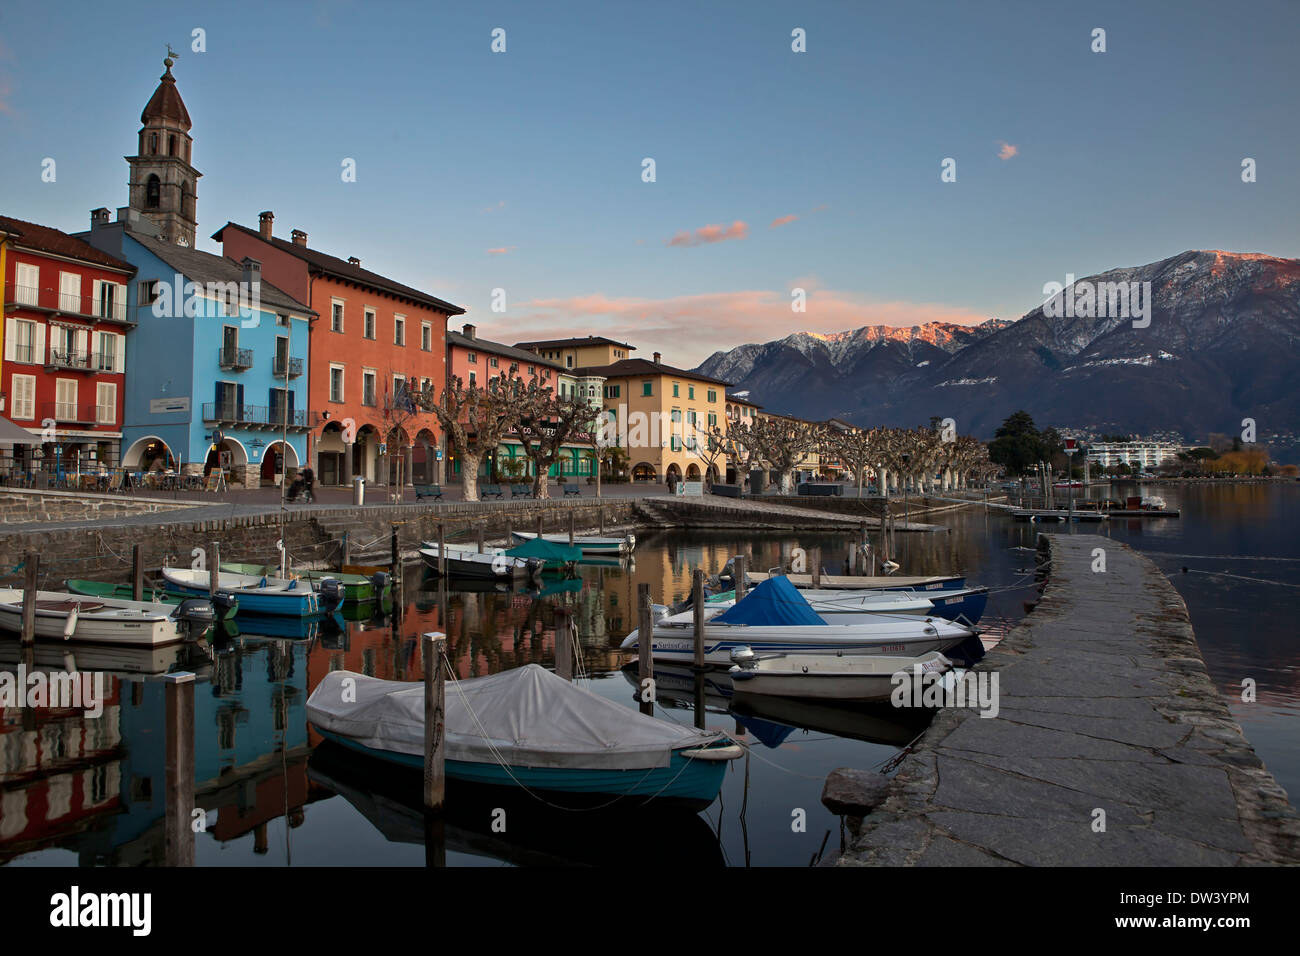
x=260, y=416
x=80, y=413
x=235, y=359
x=278, y=369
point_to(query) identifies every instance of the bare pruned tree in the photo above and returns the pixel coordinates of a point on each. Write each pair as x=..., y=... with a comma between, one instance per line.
x=781, y=442
x=475, y=418
x=544, y=423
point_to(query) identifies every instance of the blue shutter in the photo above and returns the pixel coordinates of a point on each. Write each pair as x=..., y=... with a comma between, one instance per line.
x=239, y=402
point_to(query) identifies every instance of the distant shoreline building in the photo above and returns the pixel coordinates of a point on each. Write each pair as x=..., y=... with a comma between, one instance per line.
x=1145, y=454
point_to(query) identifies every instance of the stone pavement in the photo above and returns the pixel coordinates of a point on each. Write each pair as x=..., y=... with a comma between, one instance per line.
x=1105, y=703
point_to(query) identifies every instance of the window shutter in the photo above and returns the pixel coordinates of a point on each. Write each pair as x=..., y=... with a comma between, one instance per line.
x=97, y=294
x=11, y=340
x=119, y=354
x=239, y=401
x=38, y=353
x=80, y=347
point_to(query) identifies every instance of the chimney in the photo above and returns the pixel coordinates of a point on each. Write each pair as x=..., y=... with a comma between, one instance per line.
x=299, y=238
x=264, y=221
x=98, y=217
x=252, y=277
x=657, y=358
x=468, y=331
x=352, y=259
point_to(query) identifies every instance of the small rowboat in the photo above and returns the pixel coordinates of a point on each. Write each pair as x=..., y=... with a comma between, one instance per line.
x=472, y=563
x=527, y=728
x=829, y=676
x=71, y=617
x=256, y=595
x=225, y=609
x=590, y=544
x=356, y=587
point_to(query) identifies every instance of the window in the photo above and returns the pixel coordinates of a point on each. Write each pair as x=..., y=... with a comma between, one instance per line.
x=676, y=415
x=690, y=417
x=147, y=291
x=399, y=389
x=568, y=361
x=426, y=336
x=70, y=292
x=713, y=420
x=676, y=389
x=471, y=357
x=369, y=330
x=28, y=281
x=336, y=315
x=532, y=370
x=281, y=401
x=153, y=188
x=106, y=356
x=471, y=379
x=647, y=388
x=336, y=383
x=492, y=361
x=674, y=443
x=368, y=386
x=399, y=330
x=281, y=356
x=612, y=391
x=106, y=403
x=65, y=399
x=23, y=348
x=111, y=302
x=713, y=396
x=24, y=396
x=690, y=391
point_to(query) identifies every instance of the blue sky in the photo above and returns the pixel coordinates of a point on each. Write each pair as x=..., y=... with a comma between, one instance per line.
x=1120, y=158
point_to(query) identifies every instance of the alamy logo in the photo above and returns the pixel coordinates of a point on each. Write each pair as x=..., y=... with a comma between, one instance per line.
x=80, y=690
x=1098, y=300
x=182, y=298
x=74, y=908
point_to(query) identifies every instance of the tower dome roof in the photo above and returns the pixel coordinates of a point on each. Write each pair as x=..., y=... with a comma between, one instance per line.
x=166, y=106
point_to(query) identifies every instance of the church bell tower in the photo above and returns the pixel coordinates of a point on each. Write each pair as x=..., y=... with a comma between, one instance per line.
x=163, y=184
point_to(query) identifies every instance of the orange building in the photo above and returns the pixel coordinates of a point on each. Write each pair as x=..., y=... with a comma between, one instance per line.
x=373, y=337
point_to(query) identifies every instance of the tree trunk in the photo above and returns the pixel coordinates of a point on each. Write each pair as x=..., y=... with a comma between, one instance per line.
x=469, y=463
x=787, y=480
x=541, y=487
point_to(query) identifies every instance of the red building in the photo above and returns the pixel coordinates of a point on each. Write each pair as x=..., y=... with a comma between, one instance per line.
x=63, y=376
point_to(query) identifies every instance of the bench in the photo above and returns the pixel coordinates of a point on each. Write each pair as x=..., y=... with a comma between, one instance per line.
x=491, y=491
x=572, y=489
x=428, y=491
x=521, y=491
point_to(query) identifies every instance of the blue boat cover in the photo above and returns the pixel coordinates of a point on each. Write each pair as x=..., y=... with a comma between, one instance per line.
x=774, y=603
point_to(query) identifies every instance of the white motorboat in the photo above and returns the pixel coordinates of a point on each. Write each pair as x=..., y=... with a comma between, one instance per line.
x=775, y=618
x=472, y=563
x=74, y=617
x=848, y=677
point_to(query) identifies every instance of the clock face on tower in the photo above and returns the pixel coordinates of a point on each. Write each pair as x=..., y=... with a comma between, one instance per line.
x=182, y=241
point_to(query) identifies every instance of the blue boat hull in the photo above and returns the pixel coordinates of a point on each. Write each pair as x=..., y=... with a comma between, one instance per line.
x=683, y=780
x=968, y=608
x=304, y=603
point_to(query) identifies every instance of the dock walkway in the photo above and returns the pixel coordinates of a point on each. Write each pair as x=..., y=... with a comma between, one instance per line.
x=1105, y=704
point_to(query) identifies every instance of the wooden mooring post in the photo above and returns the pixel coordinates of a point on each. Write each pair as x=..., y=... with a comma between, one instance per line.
x=442, y=550
x=645, y=650
x=482, y=532
x=31, y=580
x=214, y=569
x=738, y=565
x=396, y=572
x=563, y=645
x=697, y=608
x=600, y=519
x=573, y=522
x=137, y=573
x=540, y=519
x=178, y=746
x=863, y=544
x=435, y=720
x=815, y=559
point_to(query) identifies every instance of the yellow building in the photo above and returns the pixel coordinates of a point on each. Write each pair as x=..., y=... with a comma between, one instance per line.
x=662, y=416
x=586, y=352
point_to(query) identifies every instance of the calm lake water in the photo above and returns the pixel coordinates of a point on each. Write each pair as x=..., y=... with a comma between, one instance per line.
x=76, y=791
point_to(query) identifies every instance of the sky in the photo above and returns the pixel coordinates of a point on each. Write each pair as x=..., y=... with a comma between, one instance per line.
x=774, y=170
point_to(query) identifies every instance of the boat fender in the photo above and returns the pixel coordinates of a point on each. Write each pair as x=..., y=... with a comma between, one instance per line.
x=70, y=624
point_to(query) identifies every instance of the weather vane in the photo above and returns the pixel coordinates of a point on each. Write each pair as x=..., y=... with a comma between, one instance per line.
x=172, y=56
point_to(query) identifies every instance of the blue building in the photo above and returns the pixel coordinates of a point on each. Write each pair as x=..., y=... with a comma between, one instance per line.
x=216, y=371
x=216, y=363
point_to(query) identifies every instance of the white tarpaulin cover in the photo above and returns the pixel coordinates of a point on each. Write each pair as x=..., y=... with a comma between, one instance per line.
x=529, y=715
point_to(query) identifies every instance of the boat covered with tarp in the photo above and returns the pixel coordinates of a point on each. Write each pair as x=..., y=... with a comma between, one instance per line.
x=530, y=728
x=552, y=554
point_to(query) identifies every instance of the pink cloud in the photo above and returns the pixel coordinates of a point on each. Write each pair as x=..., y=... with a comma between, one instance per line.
x=782, y=221
x=501, y=250
x=687, y=329
x=1007, y=150
x=711, y=233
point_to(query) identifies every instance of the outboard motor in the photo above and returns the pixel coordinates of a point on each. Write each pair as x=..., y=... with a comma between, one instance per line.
x=330, y=592
x=743, y=662
x=380, y=580
x=196, y=614
x=225, y=605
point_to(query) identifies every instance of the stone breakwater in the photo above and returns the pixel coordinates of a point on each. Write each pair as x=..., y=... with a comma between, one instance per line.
x=1105, y=705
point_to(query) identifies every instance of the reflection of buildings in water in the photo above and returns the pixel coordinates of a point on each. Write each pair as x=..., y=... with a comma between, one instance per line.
x=97, y=786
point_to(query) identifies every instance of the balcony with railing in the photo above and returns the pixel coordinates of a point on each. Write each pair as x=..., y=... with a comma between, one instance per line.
x=260, y=416
x=68, y=360
x=79, y=413
x=234, y=359
x=112, y=308
x=278, y=367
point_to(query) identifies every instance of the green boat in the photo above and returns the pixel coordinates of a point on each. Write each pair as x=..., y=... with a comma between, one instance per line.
x=357, y=588
x=552, y=554
x=122, y=592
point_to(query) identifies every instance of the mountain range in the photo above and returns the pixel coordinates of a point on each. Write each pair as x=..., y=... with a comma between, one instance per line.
x=1217, y=341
